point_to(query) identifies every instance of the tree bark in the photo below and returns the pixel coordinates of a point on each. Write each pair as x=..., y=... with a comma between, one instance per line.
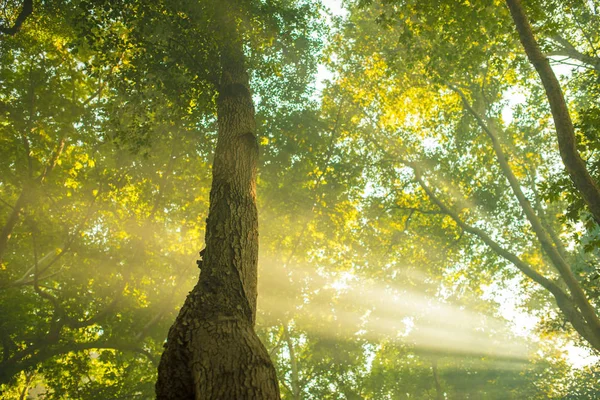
x=565, y=131
x=212, y=350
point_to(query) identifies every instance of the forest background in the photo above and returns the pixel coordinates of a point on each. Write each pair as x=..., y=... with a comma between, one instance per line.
x=420, y=236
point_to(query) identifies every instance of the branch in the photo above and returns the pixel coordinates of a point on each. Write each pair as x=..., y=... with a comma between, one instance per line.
x=553, y=253
x=277, y=346
x=8, y=344
x=162, y=184
x=159, y=315
x=568, y=50
x=26, y=11
x=65, y=249
x=411, y=212
x=544, y=218
x=564, y=302
x=498, y=249
x=565, y=131
x=73, y=323
x=25, y=197
x=53, y=159
x=293, y=362
x=514, y=259
x=16, y=364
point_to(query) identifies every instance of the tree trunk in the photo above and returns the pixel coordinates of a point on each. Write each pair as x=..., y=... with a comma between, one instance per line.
x=13, y=219
x=212, y=351
x=295, y=383
x=439, y=395
x=565, y=132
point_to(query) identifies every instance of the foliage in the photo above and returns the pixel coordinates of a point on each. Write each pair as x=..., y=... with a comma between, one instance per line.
x=369, y=288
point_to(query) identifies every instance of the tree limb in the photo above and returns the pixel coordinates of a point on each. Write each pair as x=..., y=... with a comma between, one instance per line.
x=14, y=365
x=26, y=11
x=565, y=131
x=564, y=301
x=549, y=248
x=568, y=50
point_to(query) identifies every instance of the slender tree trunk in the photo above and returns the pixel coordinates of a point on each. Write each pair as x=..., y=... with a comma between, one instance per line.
x=212, y=351
x=296, y=390
x=565, y=132
x=439, y=395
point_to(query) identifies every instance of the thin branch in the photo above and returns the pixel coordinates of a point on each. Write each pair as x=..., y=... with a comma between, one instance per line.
x=563, y=62
x=568, y=50
x=65, y=249
x=100, y=315
x=6, y=203
x=293, y=363
x=514, y=259
x=277, y=345
x=54, y=159
x=162, y=184
x=582, y=321
x=17, y=209
x=543, y=217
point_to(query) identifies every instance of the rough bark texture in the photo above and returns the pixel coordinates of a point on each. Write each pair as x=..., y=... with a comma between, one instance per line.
x=212, y=351
x=565, y=132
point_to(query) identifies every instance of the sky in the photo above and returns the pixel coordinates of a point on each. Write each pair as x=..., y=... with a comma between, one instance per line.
x=335, y=6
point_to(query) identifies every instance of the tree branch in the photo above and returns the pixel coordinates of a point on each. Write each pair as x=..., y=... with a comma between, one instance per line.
x=16, y=364
x=564, y=301
x=549, y=248
x=10, y=224
x=565, y=131
x=26, y=11
x=568, y=50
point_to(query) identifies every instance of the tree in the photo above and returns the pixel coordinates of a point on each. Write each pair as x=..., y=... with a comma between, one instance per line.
x=69, y=281
x=26, y=10
x=212, y=350
x=565, y=131
x=465, y=69
x=106, y=281
x=110, y=112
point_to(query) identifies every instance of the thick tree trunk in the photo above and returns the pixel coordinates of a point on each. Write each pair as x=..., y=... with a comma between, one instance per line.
x=212, y=351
